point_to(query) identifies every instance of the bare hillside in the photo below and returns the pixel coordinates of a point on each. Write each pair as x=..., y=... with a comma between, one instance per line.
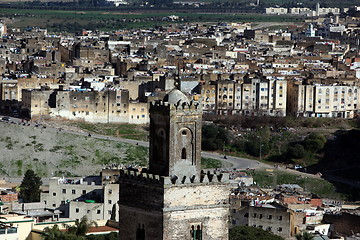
x=51, y=152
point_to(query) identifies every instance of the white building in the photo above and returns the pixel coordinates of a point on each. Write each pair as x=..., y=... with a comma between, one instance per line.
x=276, y=10
x=95, y=197
x=323, y=100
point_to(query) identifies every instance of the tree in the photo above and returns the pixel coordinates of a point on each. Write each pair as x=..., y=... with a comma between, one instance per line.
x=74, y=232
x=214, y=137
x=53, y=233
x=81, y=227
x=251, y=233
x=314, y=142
x=296, y=151
x=30, y=187
x=304, y=236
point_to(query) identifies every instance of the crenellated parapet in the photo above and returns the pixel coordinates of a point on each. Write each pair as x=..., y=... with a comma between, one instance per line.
x=193, y=106
x=147, y=178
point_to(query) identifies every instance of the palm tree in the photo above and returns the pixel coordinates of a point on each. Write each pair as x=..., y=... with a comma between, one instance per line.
x=75, y=232
x=53, y=233
x=304, y=236
x=81, y=227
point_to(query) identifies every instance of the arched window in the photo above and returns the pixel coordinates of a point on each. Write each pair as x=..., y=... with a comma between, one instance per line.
x=183, y=153
x=196, y=233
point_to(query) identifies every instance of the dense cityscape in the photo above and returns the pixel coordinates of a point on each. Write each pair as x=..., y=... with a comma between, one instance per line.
x=188, y=128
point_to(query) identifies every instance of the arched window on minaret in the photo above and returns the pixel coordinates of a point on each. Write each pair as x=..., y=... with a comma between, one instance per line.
x=183, y=153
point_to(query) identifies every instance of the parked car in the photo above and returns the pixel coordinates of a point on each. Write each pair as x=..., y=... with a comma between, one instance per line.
x=7, y=119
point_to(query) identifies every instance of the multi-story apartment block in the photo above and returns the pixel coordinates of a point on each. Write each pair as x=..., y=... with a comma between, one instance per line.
x=95, y=197
x=208, y=95
x=253, y=96
x=110, y=106
x=323, y=100
x=225, y=97
x=272, y=217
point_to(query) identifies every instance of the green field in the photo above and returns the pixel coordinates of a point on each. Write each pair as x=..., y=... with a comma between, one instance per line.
x=71, y=21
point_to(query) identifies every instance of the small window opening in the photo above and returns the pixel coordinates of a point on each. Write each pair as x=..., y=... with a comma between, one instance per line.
x=196, y=233
x=140, y=232
x=183, y=153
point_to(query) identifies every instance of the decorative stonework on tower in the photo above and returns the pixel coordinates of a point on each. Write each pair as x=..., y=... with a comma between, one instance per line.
x=174, y=199
x=175, y=136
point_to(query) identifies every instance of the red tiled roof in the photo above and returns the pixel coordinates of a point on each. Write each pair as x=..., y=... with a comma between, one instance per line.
x=101, y=229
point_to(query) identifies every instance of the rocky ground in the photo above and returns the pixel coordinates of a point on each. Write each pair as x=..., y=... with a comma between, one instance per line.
x=51, y=151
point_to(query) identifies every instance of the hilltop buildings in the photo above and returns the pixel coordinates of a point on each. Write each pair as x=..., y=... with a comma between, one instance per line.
x=230, y=68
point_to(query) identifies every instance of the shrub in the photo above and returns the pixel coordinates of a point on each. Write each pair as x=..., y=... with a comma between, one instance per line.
x=296, y=151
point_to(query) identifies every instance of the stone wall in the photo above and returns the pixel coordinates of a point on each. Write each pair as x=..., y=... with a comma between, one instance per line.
x=167, y=209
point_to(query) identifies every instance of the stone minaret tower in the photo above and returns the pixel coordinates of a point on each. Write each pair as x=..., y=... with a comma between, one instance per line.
x=175, y=137
x=174, y=199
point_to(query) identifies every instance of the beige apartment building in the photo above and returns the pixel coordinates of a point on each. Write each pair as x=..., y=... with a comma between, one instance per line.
x=253, y=96
x=323, y=100
x=11, y=89
x=109, y=106
x=208, y=97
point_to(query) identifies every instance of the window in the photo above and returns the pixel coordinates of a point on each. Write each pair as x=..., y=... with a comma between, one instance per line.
x=54, y=193
x=183, y=153
x=11, y=230
x=62, y=202
x=88, y=211
x=254, y=215
x=270, y=217
x=196, y=232
x=64, y=191
x=260, y=216
x=280, y=218
x=110, y=202
x=109, y=211
x=110, y=191
x=98, y=211
x=76, y=210
x=73, y=191
x=140, y=232
x=280, y=229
